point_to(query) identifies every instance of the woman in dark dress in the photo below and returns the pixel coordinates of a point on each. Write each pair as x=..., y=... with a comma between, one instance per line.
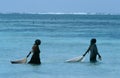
x=93, y=51
x=35, y=59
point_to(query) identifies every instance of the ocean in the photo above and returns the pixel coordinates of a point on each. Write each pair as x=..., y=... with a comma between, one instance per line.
x=63, y=36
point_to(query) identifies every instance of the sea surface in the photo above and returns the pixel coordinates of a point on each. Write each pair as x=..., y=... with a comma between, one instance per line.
x=63, y=36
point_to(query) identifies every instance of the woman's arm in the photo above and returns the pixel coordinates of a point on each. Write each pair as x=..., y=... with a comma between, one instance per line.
x=87, y=50
x=99, y=56
x=29, y=54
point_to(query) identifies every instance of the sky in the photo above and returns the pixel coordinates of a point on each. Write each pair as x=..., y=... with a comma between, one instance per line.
x=60, y=6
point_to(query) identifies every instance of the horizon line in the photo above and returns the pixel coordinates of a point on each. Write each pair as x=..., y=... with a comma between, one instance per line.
x=77, y=13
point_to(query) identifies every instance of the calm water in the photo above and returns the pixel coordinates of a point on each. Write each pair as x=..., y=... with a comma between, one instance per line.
x=63, y=36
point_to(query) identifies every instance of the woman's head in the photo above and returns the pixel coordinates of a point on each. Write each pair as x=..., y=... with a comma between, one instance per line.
x=37, y=42
x=93, y=41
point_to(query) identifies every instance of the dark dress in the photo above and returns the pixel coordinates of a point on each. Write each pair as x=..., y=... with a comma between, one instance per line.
x=35, y=59
x=93, y=53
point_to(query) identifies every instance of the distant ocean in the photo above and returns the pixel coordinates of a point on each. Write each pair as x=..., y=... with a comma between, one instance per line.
x=63, y=36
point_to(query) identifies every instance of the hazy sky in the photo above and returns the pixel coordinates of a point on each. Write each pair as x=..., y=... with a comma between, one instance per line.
x=62, y=6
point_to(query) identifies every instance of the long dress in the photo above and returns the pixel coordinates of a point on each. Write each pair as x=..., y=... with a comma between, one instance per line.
x=35, y=59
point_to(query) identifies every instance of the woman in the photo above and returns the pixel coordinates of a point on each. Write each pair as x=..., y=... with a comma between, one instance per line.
x=35, y=59
x=93, y=51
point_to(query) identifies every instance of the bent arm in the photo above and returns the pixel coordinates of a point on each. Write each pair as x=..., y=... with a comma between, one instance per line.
x=98, y=54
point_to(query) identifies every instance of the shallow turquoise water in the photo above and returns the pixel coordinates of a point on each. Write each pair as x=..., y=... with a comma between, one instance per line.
x=63, y=37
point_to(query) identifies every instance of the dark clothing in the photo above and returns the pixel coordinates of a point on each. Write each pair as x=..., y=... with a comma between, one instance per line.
x=35, y=57
x=93, y=53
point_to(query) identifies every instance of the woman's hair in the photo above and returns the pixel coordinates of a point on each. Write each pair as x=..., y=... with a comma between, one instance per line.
x=37, y=42
x=93, y=40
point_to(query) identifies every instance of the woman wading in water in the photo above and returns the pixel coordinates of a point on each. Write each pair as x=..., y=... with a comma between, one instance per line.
x=35, y=59
x=93, y=51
